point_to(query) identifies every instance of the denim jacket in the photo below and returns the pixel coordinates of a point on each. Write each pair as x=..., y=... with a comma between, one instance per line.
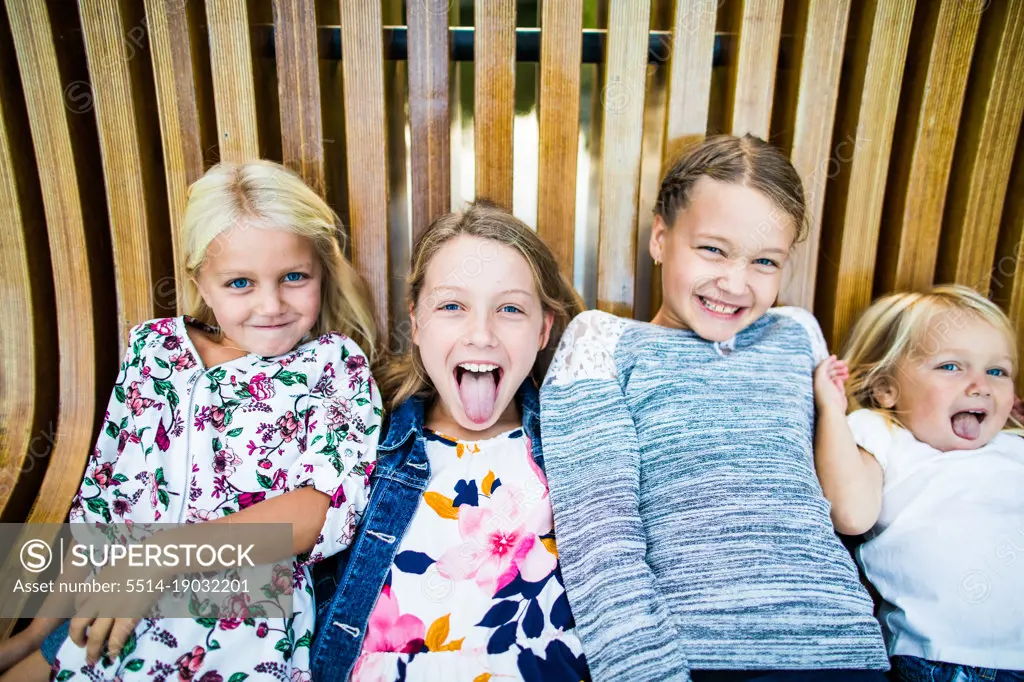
x=347, y=587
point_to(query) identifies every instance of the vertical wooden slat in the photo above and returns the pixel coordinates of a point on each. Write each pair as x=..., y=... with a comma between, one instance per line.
x=82, y=321
x=135, y=202
x=180, y=123
x=623, y=100
x=755, y=68
x=561, y=43
x=924, y=143
x=822, y=34
x=1008, y=273
x=494, y=99
x=853, y=205
x=298, y=84
x=28, y=348
x=984, y=153
x=234, y=91
x=366, y=131
x=689, y=85
x=430, y=127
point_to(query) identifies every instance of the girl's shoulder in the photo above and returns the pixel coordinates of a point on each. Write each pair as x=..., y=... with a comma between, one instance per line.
x=805, y=321
x=587, y=348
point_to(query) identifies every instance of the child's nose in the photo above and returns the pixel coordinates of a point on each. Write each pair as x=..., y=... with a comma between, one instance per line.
x=481, y=331
x=733, y=279
x=270, y=301
x=979, y=386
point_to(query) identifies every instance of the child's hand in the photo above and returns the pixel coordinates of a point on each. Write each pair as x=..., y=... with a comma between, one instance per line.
x=829, y=384
x=14, y=649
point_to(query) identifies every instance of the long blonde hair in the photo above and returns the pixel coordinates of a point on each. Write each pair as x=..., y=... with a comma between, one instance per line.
x=266, y=195
x=403, y=376
x=895, y=326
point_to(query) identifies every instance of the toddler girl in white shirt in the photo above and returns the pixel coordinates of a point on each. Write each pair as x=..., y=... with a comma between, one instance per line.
x=926, y=465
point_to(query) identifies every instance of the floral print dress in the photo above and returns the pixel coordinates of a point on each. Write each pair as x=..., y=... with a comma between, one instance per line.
x=181, y=442
x=475, y=593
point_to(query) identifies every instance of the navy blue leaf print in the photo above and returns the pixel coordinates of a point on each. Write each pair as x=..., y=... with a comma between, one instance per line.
x=533, y=622
x=467, y=494
x=495, y=485
x=413, y=562
x=561, y=614
x=499, y=614
x=503, y=638
x=520, y=586
x=529, y=667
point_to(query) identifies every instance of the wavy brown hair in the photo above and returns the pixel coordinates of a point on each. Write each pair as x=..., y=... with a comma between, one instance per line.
x=403, y=376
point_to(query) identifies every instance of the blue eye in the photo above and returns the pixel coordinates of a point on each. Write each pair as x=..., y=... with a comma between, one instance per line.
x=998, y=372
x=294, y=277
x=451, y=307
x=767, y=262
x=948, y=366
x=712, y=249
x=239, y=283
x=510, y=309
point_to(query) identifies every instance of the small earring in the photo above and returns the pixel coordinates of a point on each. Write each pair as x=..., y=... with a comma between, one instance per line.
x=657, y=262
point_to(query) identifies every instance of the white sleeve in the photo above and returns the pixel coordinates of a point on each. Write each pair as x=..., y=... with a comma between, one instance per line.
x=587, y=348
x=873, y=433
x=810, y=323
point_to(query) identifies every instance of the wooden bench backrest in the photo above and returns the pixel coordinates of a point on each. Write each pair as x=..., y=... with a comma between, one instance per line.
x=903, y=118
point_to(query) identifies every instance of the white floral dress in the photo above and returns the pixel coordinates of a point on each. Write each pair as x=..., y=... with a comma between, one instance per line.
x=475, y=593
x=185, y=443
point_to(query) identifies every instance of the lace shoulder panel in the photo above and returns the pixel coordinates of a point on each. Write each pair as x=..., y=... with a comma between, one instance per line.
x=810, y=324
x=587, y=348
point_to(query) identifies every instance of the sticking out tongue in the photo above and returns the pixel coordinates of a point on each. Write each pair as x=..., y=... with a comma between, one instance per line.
x=966, y=425
x=478, y=391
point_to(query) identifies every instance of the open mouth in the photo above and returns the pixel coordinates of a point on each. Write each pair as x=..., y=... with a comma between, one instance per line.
x=719, y=308
x=967, y=424
x=478, y=384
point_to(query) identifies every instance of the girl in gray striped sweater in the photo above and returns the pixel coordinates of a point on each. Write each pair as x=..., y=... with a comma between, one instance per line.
x=692, y=531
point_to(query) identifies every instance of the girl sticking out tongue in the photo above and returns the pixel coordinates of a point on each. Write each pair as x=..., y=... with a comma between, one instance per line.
x=460, y=497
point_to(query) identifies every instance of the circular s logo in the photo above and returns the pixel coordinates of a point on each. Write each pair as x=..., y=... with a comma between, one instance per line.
x=36, y=556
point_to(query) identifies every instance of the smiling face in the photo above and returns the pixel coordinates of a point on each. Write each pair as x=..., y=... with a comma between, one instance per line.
x=478, y=325
x=954, y=389
x=722, y=260
x=263, y=286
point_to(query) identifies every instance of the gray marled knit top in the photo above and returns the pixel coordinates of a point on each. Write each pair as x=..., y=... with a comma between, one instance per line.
x=692, y=530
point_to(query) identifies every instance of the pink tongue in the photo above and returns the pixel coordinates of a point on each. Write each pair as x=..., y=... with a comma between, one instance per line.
x=966, y=425
x=478, y=392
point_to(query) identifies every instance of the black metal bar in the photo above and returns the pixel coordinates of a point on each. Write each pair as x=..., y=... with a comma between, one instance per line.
x=460, y=42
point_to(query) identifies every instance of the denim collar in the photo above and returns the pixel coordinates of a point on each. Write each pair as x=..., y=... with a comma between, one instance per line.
x=408, y=418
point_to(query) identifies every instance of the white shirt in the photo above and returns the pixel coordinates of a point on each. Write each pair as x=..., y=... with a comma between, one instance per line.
x=947, y=552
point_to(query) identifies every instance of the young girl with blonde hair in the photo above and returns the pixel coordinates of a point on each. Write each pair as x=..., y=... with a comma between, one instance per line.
x=265, y=388
x=454, y=572
x=926, y=463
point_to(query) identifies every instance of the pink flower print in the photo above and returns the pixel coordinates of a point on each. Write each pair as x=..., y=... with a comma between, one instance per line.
x=265, y=463
x=103, y=475
x=300, y=675
x=238, y=606
x=260, y=387
x=164, y=327
x=200, y=515
x=134, y=400
x=287, y=426
x=146, y=371
x=226, y=461
x=229, y=623
x=338, y=498
x=183, y=360
x=217, y=416
x=387, y=630
x=354, y=363
x=262, y=630
x=280, y=480
x=211, y=676
x=501, y=541
x=281, y=580
x=189, y=663
x=249, y=499
x=172, y=342
x=339, y=413
x=122, y=506
x=77, y=512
